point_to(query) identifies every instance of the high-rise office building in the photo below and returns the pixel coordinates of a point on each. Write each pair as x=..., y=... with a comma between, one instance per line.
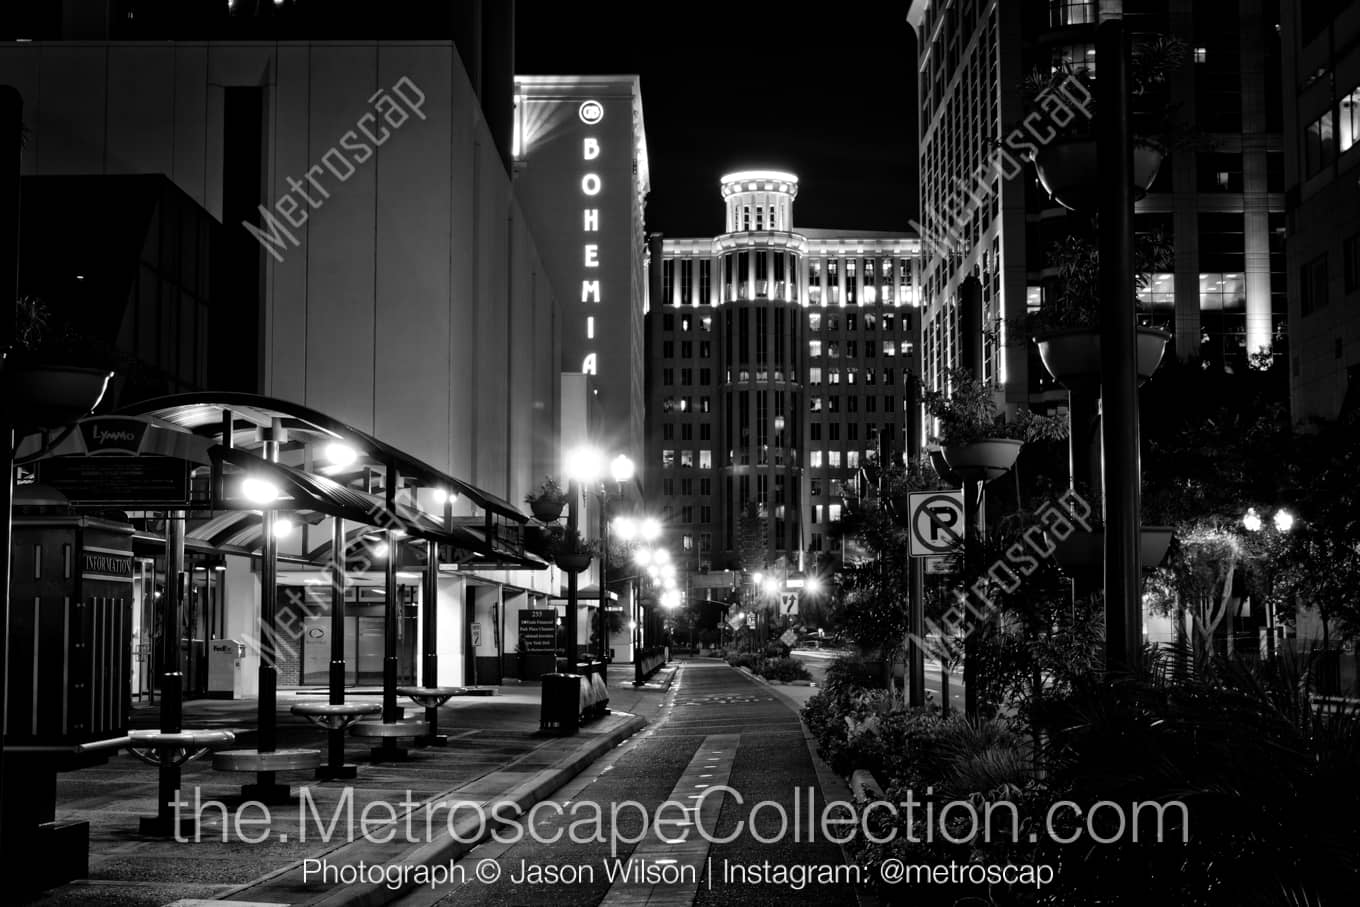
x=778, y=360
x=1219, y=201
x=1322, y=166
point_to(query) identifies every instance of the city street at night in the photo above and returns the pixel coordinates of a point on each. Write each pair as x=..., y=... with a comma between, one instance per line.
x=517, y=452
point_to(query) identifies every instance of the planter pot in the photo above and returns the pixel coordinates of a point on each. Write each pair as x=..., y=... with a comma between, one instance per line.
x=983, y=460
x=1068, y=171
x=547, y=511
x=1072, y=356
x=1086, y=550
x=573, y=563
x=48, y=396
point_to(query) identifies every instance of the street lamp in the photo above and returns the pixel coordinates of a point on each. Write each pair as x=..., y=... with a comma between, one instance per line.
x=1283, y=521
x=585, y=467
x=582, y=464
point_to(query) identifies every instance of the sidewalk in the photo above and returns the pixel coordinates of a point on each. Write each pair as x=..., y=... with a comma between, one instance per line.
x=495, y=752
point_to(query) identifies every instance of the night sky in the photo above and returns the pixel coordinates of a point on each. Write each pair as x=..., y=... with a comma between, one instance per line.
x=738, y=85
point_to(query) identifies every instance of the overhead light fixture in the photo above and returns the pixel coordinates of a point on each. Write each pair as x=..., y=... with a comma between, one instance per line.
x=340, y=454
x=259, y=491
x=380, y=549
x=283, y=527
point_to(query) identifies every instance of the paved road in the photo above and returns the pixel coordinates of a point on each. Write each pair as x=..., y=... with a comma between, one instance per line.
x=719, y=731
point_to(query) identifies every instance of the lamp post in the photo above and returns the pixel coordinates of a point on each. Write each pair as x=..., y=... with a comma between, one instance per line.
x=622, y=470
x=630, y=530
x=582, y=467
x=1282, y=521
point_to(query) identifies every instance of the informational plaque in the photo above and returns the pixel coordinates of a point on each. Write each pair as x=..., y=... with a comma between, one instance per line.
x=538, y=632
x=130, y=481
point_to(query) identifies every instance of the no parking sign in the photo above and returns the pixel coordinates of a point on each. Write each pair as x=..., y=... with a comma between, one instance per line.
x=936, y=522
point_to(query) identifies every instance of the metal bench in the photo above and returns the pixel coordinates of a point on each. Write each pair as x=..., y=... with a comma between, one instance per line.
x=289, y=760
x=155, y=748
x=335, y=718
x=431, y=698
x=389, y=732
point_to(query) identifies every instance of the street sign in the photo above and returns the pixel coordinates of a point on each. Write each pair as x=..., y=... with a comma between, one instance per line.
x=788, y=638
x=936, y=522
x=937, y=565
x=476, y=634
x=788, y=603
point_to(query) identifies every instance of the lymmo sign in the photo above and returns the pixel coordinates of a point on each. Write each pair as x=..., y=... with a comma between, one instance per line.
x=113, y=435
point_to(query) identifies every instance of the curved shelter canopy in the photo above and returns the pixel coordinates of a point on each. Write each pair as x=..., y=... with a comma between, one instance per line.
x=322, y=468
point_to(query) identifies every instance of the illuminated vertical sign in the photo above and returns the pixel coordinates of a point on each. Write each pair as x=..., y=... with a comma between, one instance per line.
x=590, y=113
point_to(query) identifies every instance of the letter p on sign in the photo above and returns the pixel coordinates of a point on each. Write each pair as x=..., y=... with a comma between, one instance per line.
x=936, y=522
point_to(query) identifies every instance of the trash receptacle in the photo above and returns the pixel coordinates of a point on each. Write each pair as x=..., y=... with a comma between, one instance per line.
x=561, y=705
x=225, y=680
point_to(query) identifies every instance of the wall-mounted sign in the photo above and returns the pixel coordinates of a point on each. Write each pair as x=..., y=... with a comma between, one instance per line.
x=591, y=186
x=103, y=564
x=119, y=480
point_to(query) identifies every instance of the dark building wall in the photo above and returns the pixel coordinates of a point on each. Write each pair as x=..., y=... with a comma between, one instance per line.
x=129, y=283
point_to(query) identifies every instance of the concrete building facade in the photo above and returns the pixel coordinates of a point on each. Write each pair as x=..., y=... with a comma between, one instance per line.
x=778, y=361
x=1322, y=167
x=1220, y=200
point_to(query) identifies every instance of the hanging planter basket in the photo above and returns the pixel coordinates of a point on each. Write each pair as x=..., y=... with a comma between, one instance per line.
x=573, y=563
x=1086, y=550
x=547, y=510
x=1072, y=356
x=1068, y=171
x=982, y=461
x=39, y=395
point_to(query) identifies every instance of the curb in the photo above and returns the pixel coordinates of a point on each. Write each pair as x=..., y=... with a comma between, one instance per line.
x=468, y=831
x=662, y=686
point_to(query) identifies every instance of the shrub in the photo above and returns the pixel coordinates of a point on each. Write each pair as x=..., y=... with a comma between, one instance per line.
x=748, y=660
x=784, y=669
x=854, y=672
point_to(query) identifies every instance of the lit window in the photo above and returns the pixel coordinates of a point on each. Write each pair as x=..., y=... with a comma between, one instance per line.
x=833, y=458
x=814, y=348
x=814, y=376
x=815, y=459
x=1349, y=126
x=1319, y=146
x=667, y=458
x=687, y=459
x=1201, y=54
x=705, y=459
x=833, y=511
